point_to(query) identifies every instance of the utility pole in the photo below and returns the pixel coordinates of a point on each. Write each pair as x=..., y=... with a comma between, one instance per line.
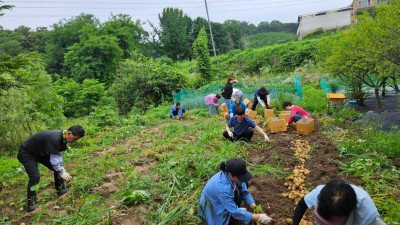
x=209, y=26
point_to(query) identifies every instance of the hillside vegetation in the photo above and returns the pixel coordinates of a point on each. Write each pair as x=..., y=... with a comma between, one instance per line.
x=135, y=165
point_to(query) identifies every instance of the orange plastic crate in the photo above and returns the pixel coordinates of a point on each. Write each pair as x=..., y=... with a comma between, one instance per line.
x=269, y=113
x=276, y=125
x=305, y=126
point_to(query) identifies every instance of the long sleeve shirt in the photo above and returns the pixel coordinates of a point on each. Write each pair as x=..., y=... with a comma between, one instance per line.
x=262, y=97
x=297, y=110
x=211, y=99
x=173, y=108
x=56, y=162
x=217, y=201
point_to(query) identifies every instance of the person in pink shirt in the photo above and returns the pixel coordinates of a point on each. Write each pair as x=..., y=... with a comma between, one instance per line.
x=296, y=112
x=212, y=100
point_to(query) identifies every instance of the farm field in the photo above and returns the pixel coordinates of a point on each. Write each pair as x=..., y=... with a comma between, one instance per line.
x=273, y=165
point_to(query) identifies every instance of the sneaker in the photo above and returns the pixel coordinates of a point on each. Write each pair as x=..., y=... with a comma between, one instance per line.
x=62, y=191
x=32, y=207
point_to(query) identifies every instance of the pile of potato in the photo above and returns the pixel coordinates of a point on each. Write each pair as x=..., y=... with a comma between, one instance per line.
x=297, y=189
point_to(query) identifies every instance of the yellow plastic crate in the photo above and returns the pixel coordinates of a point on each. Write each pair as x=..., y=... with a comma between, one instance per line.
x=336, y=98
x=269, y=113
x=246, y=102
x=284, y=115
x=223, y=108
x=252, y=114
x=305, y=126
x=276, y=125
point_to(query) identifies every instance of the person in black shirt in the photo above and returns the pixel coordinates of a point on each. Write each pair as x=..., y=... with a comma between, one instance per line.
x=228, y=90
x=46, y=147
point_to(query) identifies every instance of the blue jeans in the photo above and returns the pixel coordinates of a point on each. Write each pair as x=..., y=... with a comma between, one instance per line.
x=210, y=109
x=297, y=117
x=228, y=103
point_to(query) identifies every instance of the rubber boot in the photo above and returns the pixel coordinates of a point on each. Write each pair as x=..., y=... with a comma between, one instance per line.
x=32, y=204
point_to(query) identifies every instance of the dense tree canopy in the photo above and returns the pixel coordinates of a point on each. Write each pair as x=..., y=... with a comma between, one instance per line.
x=175, y=35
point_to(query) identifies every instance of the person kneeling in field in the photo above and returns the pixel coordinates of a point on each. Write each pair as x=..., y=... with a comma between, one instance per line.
x=177, y=111
x=223, y=194
x=296, y=112
x=338, y=203
x=242, y=127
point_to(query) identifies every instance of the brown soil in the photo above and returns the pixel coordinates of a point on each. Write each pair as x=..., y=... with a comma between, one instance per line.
x=267, y=190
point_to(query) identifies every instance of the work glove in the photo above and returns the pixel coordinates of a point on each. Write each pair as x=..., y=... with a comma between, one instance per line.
x=266, y=138
x=230, y=133
x=264, y=219
x=65, y=176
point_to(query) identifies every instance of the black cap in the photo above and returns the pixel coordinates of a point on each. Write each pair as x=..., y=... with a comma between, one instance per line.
x=237, y=167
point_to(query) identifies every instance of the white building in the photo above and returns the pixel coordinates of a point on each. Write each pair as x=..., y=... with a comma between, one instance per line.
x=326, y=20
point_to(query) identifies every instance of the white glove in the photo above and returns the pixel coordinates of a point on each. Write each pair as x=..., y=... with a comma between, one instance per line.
x=65, y=176
x=230, y=133
x=264, y=219
x=266, y=138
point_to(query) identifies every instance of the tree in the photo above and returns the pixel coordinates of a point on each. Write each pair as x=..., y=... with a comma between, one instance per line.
x=349, y=60
x=130, y=34
x=27, y=102
x=94, y=57
x=234, y=34
x=144, y=82
x=370, y=51
x=4, y=7
x=175, y=35
x=202, y=55
x=65, y=34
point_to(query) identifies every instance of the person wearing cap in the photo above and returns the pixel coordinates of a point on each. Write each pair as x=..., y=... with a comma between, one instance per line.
x=227, y=91
x=296, y=112
x=223, y=194
x=338, y=203
x=261, y=96
x=177, y=111
x=211, y=101
x=242, y=127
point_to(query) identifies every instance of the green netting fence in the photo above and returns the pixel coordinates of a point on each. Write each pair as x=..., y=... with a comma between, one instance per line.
x=191, y=99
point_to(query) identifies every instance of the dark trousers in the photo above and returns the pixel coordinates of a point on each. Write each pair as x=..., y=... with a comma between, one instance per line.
x=246, y=136
x=175, y=112
x=255, y=102
x=30, y=163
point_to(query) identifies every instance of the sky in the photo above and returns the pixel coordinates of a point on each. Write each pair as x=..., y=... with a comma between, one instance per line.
x=44, y=13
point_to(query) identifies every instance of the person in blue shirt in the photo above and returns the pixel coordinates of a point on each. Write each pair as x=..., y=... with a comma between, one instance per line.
x=177, y=111
x=232, y=107
x=339, y=203
x=242, y=127
x=223, y=194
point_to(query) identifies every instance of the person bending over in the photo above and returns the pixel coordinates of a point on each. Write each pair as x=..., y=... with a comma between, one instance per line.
x=338, y=203
x=224, y=193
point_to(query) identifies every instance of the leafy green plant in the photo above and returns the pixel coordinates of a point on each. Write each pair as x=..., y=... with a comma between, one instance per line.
x=136, y=197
